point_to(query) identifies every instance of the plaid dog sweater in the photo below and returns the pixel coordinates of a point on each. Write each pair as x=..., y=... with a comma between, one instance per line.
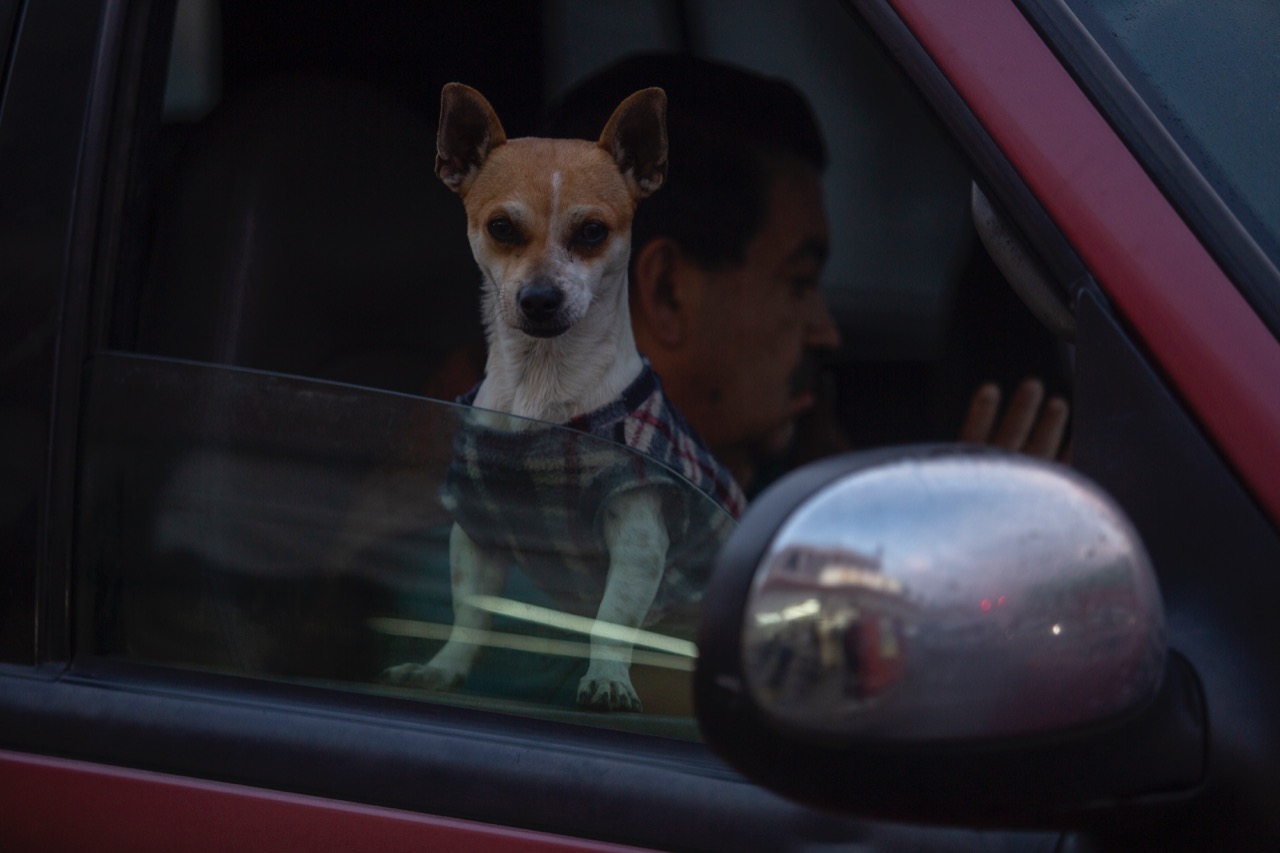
x=539, y=492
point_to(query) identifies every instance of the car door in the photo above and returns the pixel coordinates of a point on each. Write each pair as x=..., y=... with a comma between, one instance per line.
x=1127, y=177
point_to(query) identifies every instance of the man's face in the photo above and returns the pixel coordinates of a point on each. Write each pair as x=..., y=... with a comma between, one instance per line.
x=760, y=326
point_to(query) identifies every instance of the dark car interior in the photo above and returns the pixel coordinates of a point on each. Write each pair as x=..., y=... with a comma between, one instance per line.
x=290, y=220
x=282, y=214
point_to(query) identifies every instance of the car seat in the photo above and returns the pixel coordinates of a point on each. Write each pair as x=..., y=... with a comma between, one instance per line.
x=304, y=232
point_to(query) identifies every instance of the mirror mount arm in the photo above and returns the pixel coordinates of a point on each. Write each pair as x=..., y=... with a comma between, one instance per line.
x=1157, y=754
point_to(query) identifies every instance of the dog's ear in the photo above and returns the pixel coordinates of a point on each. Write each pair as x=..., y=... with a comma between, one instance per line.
x=636, y=138
x=469, y=131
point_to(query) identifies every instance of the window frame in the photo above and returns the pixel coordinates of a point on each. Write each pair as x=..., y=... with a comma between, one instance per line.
x=55, y=205
x=1233, y=247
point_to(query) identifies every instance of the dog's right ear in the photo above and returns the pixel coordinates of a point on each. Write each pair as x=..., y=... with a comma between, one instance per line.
x=469, y=131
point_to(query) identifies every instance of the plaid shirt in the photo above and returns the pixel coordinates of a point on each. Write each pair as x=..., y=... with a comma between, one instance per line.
x=539, y=492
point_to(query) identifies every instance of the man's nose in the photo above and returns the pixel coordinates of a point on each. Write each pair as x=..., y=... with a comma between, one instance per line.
x=821, y=331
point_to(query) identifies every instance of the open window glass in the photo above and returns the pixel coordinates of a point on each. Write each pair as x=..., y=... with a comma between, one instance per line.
x=252, y=523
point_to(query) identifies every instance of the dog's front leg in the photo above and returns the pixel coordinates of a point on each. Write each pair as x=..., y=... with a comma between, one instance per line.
x=473, y=571
x=636, y=535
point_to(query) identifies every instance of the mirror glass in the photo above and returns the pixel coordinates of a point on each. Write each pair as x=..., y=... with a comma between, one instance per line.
x=944, y=597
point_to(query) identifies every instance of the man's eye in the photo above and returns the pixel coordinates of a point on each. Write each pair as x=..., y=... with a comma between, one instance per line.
x=591, y=233
x=503, y=230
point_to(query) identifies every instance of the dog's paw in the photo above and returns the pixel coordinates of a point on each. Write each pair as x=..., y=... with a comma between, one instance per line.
x=607, y=688
x=425, y=675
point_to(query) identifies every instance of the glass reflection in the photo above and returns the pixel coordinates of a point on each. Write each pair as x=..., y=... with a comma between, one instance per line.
x=284, y=528
x=828, y=629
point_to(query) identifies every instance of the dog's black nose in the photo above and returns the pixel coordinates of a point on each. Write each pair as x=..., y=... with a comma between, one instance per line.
x=540, y=300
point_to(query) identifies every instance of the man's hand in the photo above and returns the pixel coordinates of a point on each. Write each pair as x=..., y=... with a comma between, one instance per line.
x=1026, y=426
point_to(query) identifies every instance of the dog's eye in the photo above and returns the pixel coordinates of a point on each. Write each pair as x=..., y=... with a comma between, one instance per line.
x=503, y=230
x=591, y=233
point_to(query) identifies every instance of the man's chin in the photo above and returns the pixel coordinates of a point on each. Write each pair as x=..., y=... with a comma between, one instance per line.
x=780, y=439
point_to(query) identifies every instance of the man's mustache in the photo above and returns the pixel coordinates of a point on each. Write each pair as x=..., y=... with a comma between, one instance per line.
x=805, y=377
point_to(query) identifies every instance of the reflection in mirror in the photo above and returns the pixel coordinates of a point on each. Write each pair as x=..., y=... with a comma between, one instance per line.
x=962, y=596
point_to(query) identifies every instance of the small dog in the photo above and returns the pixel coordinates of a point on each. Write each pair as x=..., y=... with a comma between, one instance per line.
x=549, y=222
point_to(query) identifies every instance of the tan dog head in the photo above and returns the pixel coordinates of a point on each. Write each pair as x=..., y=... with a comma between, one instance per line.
x=549, y=220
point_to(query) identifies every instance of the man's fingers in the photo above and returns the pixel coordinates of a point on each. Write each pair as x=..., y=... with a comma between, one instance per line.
x=1025, y=426
x=1046, y=438
x=1017, y=423
x=981, y=419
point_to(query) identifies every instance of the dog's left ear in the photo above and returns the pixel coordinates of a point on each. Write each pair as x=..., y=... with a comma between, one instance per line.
x=636, y=138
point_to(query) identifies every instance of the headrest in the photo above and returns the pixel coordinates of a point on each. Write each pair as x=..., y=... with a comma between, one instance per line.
x=304, y=231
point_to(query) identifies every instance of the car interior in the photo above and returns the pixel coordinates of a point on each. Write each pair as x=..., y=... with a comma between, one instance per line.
x=283, y=218
x=319, y=128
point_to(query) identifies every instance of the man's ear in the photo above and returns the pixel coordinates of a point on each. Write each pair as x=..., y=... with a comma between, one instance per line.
x=469, y=131
x=636, y=137
x=660, y=283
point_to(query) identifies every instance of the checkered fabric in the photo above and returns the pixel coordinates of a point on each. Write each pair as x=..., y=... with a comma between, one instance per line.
x=539, y=492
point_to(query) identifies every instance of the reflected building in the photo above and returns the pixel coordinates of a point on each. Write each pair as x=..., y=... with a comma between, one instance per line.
x=823, y=612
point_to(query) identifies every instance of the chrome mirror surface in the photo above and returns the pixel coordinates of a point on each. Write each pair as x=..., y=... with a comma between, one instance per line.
x=960, y=596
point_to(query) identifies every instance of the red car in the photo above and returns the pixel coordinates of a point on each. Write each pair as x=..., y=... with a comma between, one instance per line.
x=225, y=342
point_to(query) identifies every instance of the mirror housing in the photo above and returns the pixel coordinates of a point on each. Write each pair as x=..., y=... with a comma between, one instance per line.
x=944, y=634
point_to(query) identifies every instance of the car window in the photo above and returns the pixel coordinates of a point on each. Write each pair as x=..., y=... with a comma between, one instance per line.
x=270, y=477
x=277, y=527
x=266, y=465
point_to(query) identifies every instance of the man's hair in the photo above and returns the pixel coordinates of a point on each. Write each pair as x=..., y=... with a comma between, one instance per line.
x=731, y=132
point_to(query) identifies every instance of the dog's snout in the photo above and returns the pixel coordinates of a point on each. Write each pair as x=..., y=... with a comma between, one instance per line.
x=540, y=300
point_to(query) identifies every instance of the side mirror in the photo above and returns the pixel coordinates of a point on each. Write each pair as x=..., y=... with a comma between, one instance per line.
x=943, y=633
